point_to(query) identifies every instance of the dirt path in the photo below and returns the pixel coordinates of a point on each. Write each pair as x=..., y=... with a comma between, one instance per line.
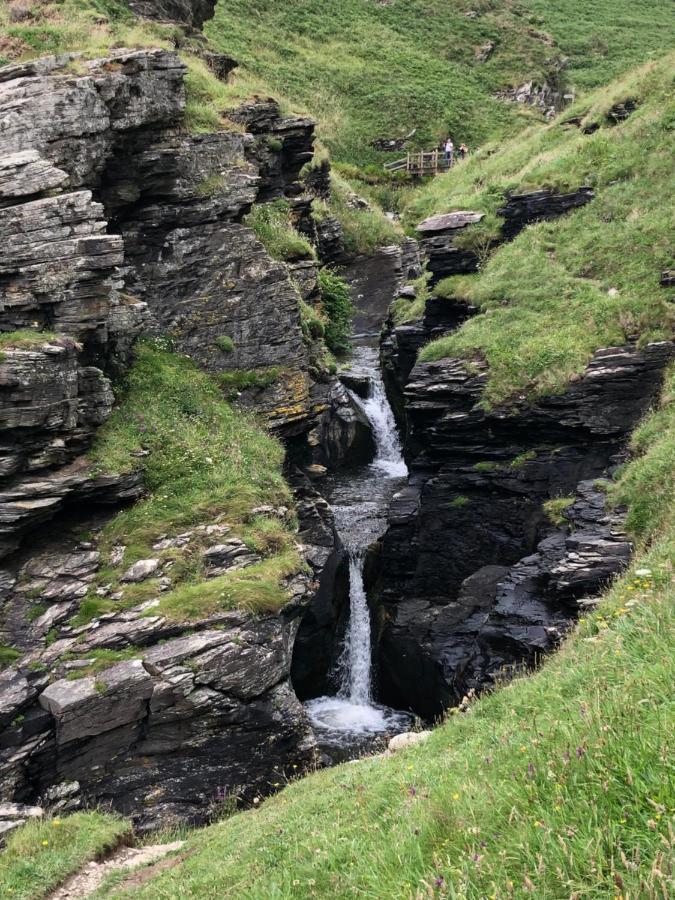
x=87, y=880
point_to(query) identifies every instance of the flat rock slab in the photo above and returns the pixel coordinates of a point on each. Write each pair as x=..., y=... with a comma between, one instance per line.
x=449, y=221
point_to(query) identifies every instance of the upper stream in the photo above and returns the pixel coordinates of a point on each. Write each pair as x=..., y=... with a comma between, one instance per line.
x=360, y=500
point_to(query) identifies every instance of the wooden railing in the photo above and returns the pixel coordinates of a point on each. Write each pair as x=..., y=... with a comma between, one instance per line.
x=423, y=162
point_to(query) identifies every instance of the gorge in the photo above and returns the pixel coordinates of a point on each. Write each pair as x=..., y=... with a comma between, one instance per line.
x=299, y=457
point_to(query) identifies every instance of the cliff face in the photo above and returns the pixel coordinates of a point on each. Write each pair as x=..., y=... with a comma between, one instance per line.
x=115, y=223
x=474, y=577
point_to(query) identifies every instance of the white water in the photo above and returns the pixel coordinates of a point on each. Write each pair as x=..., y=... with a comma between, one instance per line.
x=360, y=508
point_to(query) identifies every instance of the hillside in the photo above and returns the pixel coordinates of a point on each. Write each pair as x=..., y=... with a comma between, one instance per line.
x=562, y=289
x=378, y=70
x=225, y=502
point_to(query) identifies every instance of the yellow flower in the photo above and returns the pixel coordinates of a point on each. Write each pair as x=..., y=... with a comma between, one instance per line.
x=56, y=823
x=455, y=796
x=45, y=843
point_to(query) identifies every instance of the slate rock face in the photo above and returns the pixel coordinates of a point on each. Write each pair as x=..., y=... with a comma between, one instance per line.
x=188, y=12
x=169, y=735
x=375, y=281
x=115, y=222
x=474, y=499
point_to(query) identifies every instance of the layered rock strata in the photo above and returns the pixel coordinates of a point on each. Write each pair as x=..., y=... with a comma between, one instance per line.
x=478, y=481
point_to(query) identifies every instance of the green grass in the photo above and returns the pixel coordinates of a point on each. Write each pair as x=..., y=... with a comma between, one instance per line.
x=555, y=509
x=43, y=853
x=562, y=289
x=369, y=70
x=338, y=309
x=203, y=462
x=364, y=229
x=557, y=785
x=273, y=227
x=8, y=655
x=405, y=310
x=233, y=381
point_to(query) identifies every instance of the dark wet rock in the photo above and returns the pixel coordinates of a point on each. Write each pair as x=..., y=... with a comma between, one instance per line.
x=478, y=482
x=619, y=112
x=344, y=434
x=376, y=280
x=668, y=278
x=438, y=236
x=188, y=12
x=231, y=555
x=538, y=206
x=357, y=381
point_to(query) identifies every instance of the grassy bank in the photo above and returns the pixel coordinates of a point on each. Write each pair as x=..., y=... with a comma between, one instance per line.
x=43, y=853
x=369, y=70
x=557, y=785
x=203, y=462
x=590, y=279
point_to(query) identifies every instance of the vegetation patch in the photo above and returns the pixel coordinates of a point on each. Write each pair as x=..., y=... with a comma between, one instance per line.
x=405, y=310
x=338, y=309
x=562, y=289
x=8, y=655
x=555, y=509
x=234, y=381
x=272, y=225
x=42, y=853
x=364, y=229
x=202, y=461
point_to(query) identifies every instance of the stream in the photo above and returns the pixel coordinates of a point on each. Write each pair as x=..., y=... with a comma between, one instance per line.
x=360, y=498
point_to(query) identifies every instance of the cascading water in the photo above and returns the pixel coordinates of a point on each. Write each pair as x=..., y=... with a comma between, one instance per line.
x=360, y=501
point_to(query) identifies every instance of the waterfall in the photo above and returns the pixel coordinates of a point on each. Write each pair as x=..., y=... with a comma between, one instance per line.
x=356, y=662
x=360, y=501
x=376, y=406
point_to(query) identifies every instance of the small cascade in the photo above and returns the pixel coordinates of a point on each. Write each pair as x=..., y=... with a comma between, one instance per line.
x=376, y=406
x=360, y=501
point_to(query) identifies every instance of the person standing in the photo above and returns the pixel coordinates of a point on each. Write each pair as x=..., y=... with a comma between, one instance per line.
x=463, y=151
x=449, y=151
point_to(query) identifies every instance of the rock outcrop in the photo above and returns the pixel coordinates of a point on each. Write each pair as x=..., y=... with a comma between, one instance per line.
x=116, y=222
x=375, y=281
x=188, y=12
x=474, y=500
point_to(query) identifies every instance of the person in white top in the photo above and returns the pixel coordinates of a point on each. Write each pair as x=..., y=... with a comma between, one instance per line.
x=449, y=151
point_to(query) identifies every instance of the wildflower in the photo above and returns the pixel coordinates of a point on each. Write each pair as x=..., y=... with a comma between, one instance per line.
x=440, y=881
x=523, y=749
x=56, y=823
x=45, y=843
x=412, y=792
x=455, y=796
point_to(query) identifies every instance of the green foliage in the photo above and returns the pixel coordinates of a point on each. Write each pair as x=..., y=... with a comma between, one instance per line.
x=210, y=186
x=459, y=501
x=522, y=458
x=313, y=325
x=44, y=852
x=406, y=310
x=202, y=461
x=234, y=381
x=364, y=229
x=8, y=655
x=224, y=343
x=562, y=289
x=647, y=485
x=555, y=509
x=338, y=309
x=259, y=589
x=368, y=70
x=272, y=225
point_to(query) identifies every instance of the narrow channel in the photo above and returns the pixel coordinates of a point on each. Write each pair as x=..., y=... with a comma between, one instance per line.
x=360, y=500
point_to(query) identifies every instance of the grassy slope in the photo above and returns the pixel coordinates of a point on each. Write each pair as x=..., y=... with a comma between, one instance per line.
x=590, y=279
x=42, y=854
x=558, y=785
x=204, y=462
x=369, y=69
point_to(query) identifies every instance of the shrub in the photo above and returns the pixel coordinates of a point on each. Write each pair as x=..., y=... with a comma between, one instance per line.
x=338, y=308
x=272, y=225
x=224, y=343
